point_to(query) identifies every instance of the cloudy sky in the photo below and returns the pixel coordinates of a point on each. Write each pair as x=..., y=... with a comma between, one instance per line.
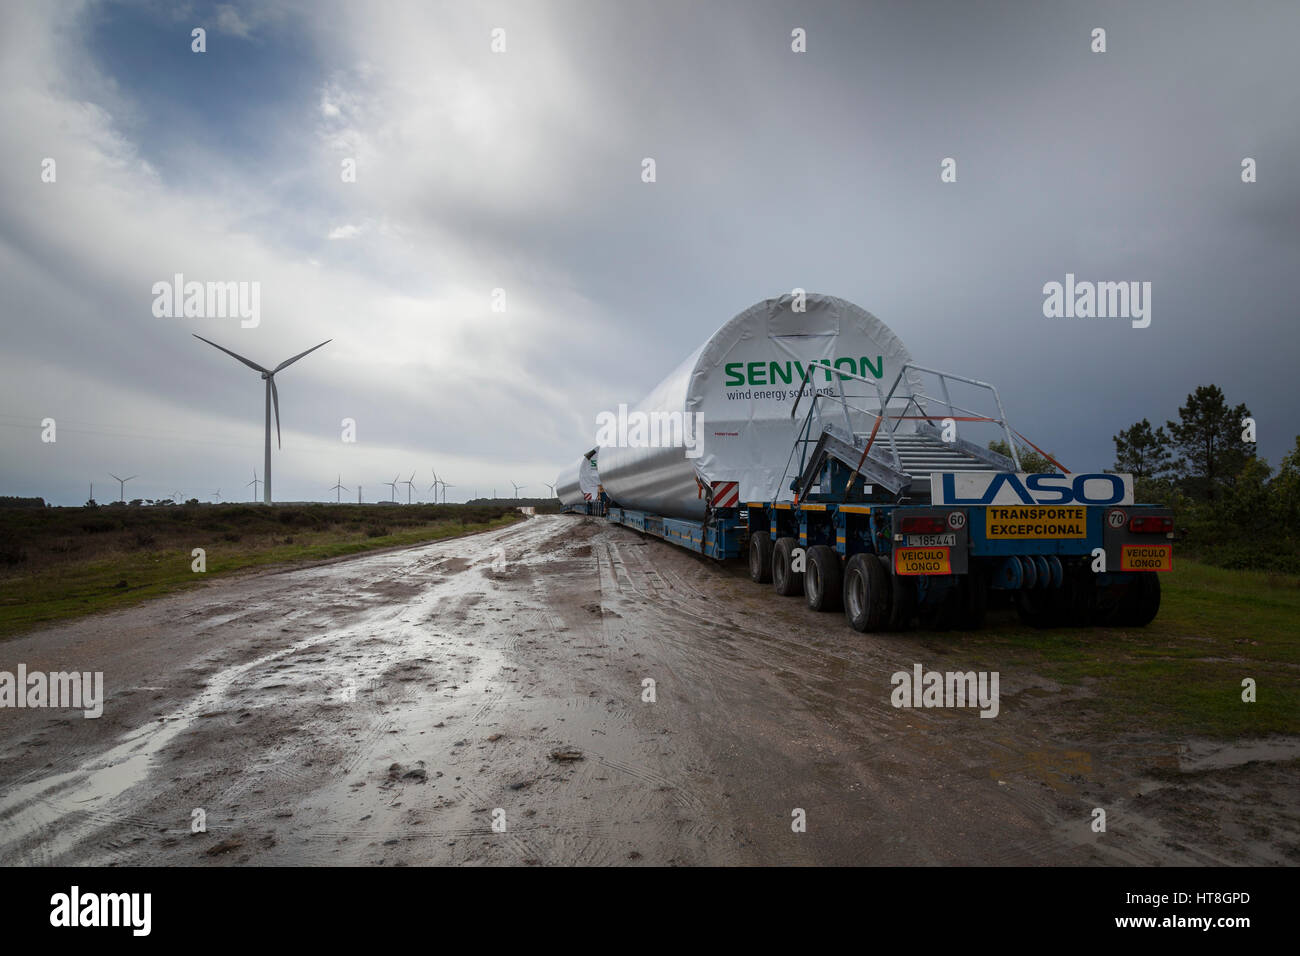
x=521, y=171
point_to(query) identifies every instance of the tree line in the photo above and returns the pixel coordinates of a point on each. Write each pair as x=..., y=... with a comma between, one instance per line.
x=1230, y=508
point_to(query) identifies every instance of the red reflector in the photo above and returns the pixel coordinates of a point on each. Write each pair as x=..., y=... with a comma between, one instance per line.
x=922, y=525
x=1150, y=525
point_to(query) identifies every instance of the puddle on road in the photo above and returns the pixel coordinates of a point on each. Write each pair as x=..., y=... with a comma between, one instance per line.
x=32, y=810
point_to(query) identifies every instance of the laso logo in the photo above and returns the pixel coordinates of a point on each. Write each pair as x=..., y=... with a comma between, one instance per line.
x=1003, y=488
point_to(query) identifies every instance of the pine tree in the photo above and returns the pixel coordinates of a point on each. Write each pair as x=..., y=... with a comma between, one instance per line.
x=1141, y=452
x=1208, y=438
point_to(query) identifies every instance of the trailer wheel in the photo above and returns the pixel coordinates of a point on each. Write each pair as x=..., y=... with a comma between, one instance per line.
x=866, y=593
x=902, y=598
x=785, y=580
x=972, y=592
x=943, y=614
x=1142, y=601
x=823, y=581
x=1039, y=608
x=760, y=558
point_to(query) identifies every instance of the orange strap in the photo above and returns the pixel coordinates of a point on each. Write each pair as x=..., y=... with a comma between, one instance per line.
x=1043, y=453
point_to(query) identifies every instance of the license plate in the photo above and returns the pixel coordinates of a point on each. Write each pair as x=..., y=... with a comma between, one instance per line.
x=1146, y=557
x=922, y=561
x=932, y=540
x=1060, y=521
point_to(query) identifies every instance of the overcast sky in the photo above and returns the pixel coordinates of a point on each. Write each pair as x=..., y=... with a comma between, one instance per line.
x=521, y=171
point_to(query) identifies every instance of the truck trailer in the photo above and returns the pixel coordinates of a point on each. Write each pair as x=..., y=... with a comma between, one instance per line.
x=802, y=437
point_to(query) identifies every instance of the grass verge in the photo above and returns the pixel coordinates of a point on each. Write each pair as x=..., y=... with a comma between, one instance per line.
x=1182, y=673
x=73, y=589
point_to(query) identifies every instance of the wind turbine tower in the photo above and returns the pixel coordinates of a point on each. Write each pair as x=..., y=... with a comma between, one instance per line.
x=121, y=485
x=272, y=397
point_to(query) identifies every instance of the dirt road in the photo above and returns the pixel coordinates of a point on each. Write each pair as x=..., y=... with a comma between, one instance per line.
x=390, y=708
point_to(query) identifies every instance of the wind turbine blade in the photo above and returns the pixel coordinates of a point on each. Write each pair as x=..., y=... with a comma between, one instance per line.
x=113, y=476
x=132, y=478
x=275, y=399
x=253, y=365
x=289, y=361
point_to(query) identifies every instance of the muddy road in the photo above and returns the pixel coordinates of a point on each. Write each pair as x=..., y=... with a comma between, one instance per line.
x=389, y=708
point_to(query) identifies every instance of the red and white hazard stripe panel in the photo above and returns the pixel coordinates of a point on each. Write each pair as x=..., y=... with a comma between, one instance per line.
x=726, y=494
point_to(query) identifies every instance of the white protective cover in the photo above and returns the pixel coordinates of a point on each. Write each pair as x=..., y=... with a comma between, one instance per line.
x=579, y=482
x=748, y=433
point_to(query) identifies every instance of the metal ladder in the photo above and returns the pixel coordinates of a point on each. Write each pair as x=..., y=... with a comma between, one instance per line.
x=899, y=462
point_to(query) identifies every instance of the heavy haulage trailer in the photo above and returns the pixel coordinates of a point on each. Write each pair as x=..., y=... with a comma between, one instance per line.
x=869, y=500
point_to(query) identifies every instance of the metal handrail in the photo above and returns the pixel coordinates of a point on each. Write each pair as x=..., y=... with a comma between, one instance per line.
x=943, y=376
x=892, y=422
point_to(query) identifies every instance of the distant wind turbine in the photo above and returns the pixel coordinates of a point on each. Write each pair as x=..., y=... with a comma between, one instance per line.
x=445, y=486
x=254, y=483
x=217, y=494
x=551, y=486
x=272, y=396
x=410, y=483
x=121, y=485
x=517, y=487
x=338, y=490
x=393, y=484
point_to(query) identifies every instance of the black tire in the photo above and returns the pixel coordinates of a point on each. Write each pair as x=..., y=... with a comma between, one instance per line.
x=973, y=595
x=866, y=593
x=902, y=598
x=785, y=580
x=944, y=614
x=1142, y=602
x=1079, y=597
x=760, y=558
x=823, y=579
x=1041, y=607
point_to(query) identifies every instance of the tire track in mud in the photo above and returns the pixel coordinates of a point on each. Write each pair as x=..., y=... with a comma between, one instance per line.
x=710, y=650
x=56, y=803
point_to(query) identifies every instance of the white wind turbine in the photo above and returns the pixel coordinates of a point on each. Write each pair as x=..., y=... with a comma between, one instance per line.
x=121, y=485
x=393, y=484
x=445, y=486
x=517, y=487
x=254, y=483
x=551, y=486
x=338, y=490
x=410, y=483
x=272, y=397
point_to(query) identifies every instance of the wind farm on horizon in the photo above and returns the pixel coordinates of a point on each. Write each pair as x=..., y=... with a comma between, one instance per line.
x=259, y=489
